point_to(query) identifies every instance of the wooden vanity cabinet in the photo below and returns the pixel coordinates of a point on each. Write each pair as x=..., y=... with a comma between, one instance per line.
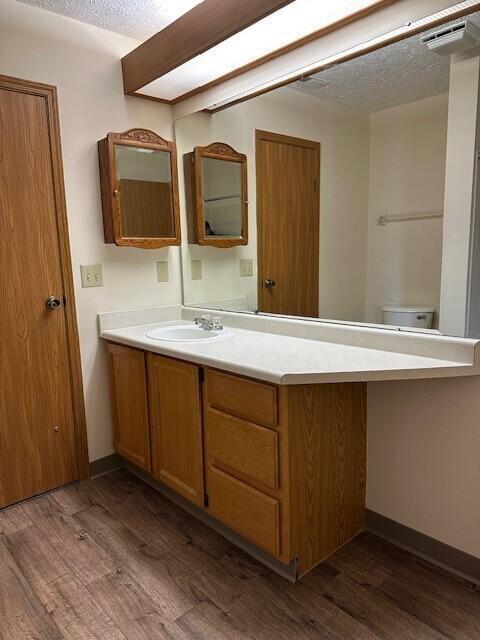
x=283, y=466
x=128, y=384
x=176, y=425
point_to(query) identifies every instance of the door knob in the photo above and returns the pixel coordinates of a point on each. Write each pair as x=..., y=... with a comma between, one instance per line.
x=52, y=303
x=269, y=284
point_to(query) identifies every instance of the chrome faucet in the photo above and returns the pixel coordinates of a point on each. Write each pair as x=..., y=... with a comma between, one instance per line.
x=208, y=323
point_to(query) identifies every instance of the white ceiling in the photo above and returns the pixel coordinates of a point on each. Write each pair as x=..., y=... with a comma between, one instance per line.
x=139, y=19
x=397, y=74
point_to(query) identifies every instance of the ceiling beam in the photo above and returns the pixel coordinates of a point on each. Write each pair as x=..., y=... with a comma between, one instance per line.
x=200, y=29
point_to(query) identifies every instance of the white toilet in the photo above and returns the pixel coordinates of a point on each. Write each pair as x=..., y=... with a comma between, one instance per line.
x=418, y=317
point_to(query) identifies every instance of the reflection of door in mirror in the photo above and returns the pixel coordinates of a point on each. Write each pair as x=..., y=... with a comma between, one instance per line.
x=288, y=172
x=144, y=178
x=222, y=191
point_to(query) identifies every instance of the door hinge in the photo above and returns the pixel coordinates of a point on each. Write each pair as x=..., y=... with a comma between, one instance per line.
x=315, y=185
x=201, y=375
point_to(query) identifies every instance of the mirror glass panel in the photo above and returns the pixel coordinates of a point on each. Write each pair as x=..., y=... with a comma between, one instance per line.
x=222, y=190
x=145, y=186
x=361, y=183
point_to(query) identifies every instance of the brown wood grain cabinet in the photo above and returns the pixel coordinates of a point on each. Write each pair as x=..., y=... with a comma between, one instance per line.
x=139, y=189
x=283, y=466
x=216, y=196
x=176, y=425
x=128, y=383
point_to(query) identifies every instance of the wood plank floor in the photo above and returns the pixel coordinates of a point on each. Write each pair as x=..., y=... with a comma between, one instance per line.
x=112, y=559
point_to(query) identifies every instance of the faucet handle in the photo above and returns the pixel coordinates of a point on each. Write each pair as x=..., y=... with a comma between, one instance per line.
x=217, y=323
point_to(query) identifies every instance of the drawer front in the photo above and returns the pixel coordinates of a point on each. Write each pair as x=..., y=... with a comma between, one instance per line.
x=247, y=399
x=250, y=513
x=242, y=447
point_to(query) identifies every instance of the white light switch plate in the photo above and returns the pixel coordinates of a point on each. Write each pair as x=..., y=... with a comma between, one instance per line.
x=162, y=271
x=246, y=267
x=196, y=269
x=92, y=275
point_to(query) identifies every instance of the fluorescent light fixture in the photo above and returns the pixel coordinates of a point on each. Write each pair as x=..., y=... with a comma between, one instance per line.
x=294, y=21
x=357, y=50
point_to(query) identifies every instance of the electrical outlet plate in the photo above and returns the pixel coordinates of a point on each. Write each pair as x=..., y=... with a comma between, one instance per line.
x=162, y=271
x=246, y=267
x=196, y=269
x=92, y=275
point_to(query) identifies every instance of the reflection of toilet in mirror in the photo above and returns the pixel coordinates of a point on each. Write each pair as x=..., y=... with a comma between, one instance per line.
x=401, y=316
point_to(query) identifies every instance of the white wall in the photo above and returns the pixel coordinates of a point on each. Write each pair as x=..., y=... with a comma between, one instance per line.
x=84, y=63
x=462, y=124
x=344, y=138
x=407, y=174
x=423, y=452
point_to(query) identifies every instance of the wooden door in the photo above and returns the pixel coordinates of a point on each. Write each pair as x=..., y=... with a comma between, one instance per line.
x=128, y=382
x=288, y=171
x=176, y=426
x=42, y=436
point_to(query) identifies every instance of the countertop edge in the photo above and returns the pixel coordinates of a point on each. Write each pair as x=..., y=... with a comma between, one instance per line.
x=456, y=369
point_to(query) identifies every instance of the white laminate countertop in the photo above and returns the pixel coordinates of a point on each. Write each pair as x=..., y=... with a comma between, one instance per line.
x=285, y=359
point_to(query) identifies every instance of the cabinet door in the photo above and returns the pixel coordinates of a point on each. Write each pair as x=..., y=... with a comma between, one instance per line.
x=129, y=404
x=176, y=426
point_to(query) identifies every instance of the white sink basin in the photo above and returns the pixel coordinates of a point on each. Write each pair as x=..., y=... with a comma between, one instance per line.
x=187, y=333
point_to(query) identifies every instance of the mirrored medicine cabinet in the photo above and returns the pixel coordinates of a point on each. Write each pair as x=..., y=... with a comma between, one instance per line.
x=139, y=184
x=361, y=181
x=216, y=196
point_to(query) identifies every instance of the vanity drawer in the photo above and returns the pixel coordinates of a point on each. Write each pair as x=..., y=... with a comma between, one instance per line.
x=247, y=399
x=250, y=513
x=244, y=448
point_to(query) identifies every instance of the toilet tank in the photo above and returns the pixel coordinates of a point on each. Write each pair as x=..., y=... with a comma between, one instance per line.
x=418, y=317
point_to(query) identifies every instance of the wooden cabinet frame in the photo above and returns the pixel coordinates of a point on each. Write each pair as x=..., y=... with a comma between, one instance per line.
x=110, y=187
x=194, y=195
x=284, y=466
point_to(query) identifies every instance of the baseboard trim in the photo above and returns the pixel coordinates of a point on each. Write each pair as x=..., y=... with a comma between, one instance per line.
x=423, y=546
x=105, y=465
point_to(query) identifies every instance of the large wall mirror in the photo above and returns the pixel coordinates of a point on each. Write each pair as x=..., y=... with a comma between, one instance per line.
x=361, y=182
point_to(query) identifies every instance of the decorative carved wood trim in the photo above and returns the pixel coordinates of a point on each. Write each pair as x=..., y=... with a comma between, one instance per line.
x=141, y=135
x=222, y=149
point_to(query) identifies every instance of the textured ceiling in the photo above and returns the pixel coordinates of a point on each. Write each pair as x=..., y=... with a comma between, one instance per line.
x=139, y=19
x=397, y=74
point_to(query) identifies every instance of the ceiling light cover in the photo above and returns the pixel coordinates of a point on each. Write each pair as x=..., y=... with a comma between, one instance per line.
x=294, y=21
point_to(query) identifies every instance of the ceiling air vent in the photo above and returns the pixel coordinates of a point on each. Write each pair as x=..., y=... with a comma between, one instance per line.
x=312, y=81
x=453, y=39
